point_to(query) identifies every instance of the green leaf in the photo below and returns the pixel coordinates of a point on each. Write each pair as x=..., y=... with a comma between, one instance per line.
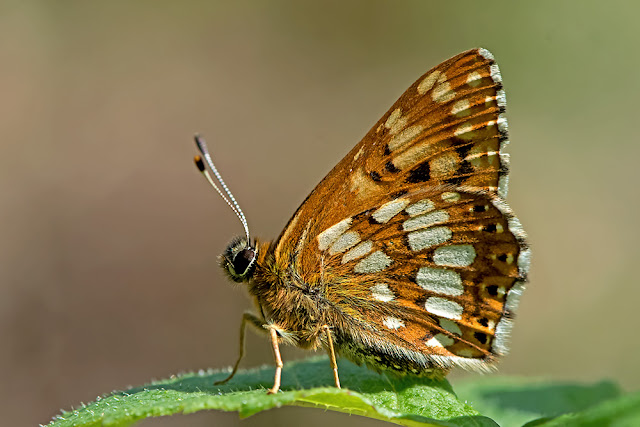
x=620, y=412
x=516, y=401
x=406, y=401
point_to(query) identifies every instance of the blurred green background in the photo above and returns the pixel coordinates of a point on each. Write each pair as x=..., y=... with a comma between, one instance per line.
x=110, y=236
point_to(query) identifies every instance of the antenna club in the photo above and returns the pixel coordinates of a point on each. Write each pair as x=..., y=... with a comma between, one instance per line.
x=199, y=163
x=200, y=143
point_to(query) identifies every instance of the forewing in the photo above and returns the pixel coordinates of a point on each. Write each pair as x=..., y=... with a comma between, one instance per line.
x=447, y=128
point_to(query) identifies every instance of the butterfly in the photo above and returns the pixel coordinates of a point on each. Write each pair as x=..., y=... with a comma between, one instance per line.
x=405, y=257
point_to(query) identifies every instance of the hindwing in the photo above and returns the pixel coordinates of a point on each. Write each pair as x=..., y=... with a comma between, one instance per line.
x=437, y=272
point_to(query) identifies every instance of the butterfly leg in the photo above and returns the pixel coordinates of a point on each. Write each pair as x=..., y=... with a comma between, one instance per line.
x=332, y=355
x=257, y=322
x=276, y=354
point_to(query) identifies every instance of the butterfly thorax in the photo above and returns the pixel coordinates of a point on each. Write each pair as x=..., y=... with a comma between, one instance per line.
x=297, y=309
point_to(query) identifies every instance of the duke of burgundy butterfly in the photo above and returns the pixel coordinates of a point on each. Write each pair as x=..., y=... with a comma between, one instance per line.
x=405, y=257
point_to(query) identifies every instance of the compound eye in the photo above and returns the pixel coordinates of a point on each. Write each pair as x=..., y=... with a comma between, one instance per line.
x=243, y=260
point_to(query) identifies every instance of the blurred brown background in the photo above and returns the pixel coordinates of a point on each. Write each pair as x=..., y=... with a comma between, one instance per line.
x=109, y=235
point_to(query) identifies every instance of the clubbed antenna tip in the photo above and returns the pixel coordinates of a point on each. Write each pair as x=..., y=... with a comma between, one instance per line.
x=224, y=193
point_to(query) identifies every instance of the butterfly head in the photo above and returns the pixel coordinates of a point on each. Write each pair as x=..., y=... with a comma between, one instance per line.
x=239, y=259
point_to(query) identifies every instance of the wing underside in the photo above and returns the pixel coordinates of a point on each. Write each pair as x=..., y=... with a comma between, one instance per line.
x=409, y=233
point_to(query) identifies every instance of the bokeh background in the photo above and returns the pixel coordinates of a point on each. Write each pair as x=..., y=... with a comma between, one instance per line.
x=108, y=272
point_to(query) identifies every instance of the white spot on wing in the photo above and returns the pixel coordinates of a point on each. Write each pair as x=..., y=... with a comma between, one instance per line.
x=444, y=308
x=375, y=262
x=395, y=122
x=390, y=209
x=331, y=234
x=405, y=136
x=461, y=108
x=443, y=92
x=454, y=255
x=393, y=323
x=450, y=196
x=474, y=79
x=478, y=155
x=414, y=154
x=450, y=326
x=464, y=131
x=344, y=242
x=424, y=205
x=424, y=221
x=428, y=82
x=393, y=117
x=358, y=251
x=419, y=240
x=381, y=292
x=442, y=281
x=440, y=340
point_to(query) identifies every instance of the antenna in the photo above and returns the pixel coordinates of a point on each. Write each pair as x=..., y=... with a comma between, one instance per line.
x=227, y=196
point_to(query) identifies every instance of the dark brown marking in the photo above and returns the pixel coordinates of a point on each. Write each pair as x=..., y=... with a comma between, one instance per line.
x=464, y=171
x=421, y=173
x=465, y=168
x=374, y=176
x=462, y=147
x=491, y=228
x=492, y=290
x=362, y=214
x=481, y=337
x=456, y=180
x=427, y=336
x=502, y=257
x=484, y=322
x=390, y=167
